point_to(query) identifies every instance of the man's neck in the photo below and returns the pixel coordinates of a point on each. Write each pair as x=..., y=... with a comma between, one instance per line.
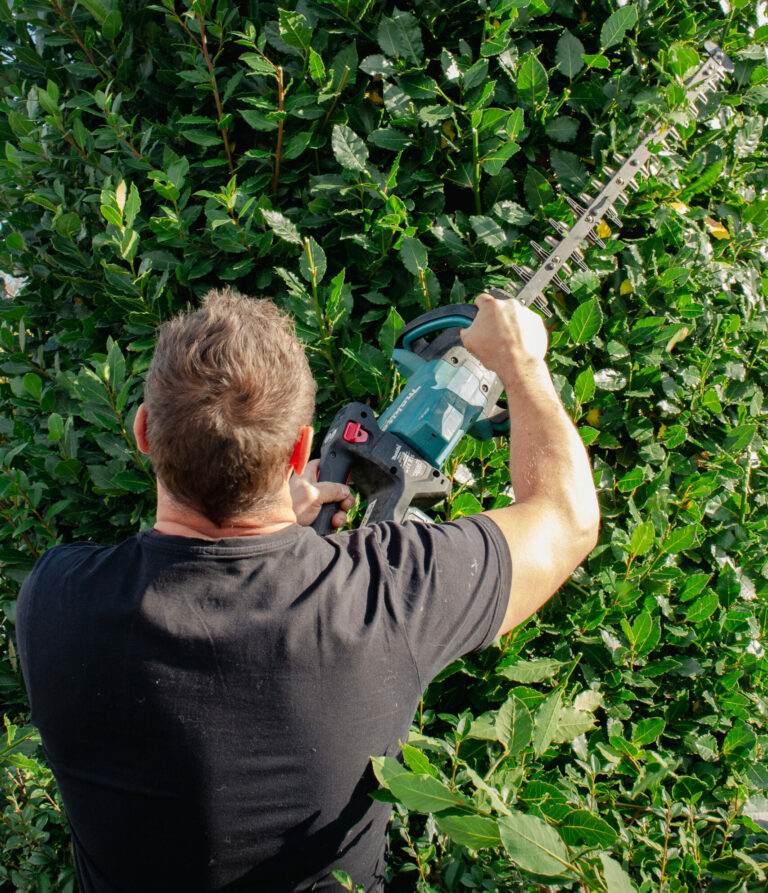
x=175, y=519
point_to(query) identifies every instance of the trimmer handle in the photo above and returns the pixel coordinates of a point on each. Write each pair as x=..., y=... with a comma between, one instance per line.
x=383, y=468
x=335, y=465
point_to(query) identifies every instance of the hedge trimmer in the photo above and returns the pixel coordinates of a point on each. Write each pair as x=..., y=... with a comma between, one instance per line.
x=395, y=460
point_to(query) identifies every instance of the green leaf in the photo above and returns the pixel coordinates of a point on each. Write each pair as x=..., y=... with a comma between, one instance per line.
x=739, y=438
x=546, y=721
x=537, y=190
x=514, y=724
x=616, y=879
x=385, y=769
x=563, y=130
x=295, y=30
x=133, y=481
x=258, y=64
x=390, y=138
x=534, y=845
x=115, y=368
x=312, y=262
x=413, y=254
x=473, y=831
x=132, y=205
x=704, y=182
x=112, y=25
x=68, y=224
x=282, y=226
x=488, y=231
x=202, y=137
x=702, y=608
x=679, y=539
x=645, y=633
x=417, y=761
x=631, y=480
x=693, y=585
x=643, y=538
x=95, y=8
x=569, y=169
x=15, y=242
x=400, y=37
x=596, y=60
x=511, y=212
x=568, y=54
x=617, y=25
x=648, y=730
x=389, y=331
x=424, y=794
x=316, y=67
x=33, y=384
x=582, y=828
x=350, y=151
x=532, y=81
x=571, y=723
x=739, y=739
x=586, y=322
x=532, y=671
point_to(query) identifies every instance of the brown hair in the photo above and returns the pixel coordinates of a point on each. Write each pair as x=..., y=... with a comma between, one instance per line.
x=227, y=393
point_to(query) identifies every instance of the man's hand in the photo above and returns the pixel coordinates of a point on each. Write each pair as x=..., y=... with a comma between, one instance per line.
x=309, y=495
x=505, y=335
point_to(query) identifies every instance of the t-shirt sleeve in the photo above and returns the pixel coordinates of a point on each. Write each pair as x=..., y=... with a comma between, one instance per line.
x=451, y=586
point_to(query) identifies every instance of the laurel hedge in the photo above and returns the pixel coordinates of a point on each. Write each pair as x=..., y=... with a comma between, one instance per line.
x=362, y=162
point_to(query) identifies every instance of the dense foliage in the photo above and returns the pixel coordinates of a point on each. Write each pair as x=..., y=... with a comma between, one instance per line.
x=362, y=162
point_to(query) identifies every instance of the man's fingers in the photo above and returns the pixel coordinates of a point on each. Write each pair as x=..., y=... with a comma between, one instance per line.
x=339, y=519
x=328, y=491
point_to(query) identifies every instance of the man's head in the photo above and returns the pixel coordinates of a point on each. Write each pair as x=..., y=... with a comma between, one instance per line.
x=227, y=395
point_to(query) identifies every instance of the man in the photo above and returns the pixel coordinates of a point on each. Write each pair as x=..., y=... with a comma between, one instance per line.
x=209, y=692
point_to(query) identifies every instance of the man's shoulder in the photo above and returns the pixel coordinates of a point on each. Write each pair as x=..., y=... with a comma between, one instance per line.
x=62, y=558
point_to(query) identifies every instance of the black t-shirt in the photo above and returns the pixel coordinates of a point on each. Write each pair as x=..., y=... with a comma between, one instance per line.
x=209, y=708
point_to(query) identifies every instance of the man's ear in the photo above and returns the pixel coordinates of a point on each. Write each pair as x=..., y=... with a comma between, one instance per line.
x=302, y=450
x=140, y=429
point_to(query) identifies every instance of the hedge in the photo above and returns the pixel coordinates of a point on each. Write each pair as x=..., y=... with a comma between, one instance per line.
x=362, y=162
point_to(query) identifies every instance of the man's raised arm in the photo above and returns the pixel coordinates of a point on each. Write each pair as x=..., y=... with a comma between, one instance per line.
x=554, y=521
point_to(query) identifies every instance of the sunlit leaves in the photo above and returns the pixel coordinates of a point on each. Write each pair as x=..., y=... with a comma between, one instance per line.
x=534, y=845
x=349, y=149
x=568, y=54
x=532, y=81
x=400, y=36
x=586, y=321
x=616, y=26
x=413, y=254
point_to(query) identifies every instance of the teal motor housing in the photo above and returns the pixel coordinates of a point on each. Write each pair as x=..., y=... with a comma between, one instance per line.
x=448, y=393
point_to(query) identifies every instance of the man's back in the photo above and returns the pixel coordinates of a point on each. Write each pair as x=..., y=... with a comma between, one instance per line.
x=209, y=708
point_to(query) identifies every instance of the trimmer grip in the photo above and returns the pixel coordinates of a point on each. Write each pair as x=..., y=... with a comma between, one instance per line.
x=335, y=465
x=384, y=469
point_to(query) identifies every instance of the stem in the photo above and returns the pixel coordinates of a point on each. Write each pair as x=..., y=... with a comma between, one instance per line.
x=489, y=773
x=214, y=85
x=324, y=329
x=335, y=98
x=476, y=169
x=76, y=35
x=424, y=292
x=745, y=495
x=34, y=511
x=664, y=854
x=279, y=145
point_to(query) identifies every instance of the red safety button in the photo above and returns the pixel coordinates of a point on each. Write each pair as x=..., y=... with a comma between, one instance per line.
x=355, y=433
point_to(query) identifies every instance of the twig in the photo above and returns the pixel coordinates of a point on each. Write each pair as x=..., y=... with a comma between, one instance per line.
x=279, y=144
x=219, y=108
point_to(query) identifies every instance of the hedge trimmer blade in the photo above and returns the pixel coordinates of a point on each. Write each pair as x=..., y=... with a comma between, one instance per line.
x=589, y=211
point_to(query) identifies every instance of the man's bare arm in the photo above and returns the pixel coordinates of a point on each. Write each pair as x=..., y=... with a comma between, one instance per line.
x=554, y=521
